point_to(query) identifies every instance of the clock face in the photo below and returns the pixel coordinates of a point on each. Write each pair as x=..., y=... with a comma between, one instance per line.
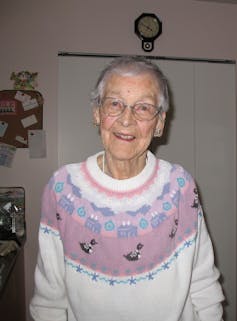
x=148, y=27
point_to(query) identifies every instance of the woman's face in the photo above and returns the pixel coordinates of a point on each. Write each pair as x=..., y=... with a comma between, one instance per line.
x=124, y=137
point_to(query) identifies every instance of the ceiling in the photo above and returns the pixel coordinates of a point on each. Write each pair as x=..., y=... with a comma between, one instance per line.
x=223, y=1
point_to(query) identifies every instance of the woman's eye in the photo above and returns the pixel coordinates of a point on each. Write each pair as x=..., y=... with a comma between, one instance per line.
x=116, y=103
x=143, y=107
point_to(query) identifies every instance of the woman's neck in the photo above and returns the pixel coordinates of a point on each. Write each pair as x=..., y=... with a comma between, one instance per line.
x=121, y=169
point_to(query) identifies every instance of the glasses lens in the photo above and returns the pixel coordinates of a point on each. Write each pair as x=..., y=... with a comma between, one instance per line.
x=112, y=106
x=145, y=111
x=141, y=111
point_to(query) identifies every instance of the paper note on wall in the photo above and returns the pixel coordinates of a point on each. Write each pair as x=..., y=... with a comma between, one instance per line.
x=7, y=153
x=37, y=143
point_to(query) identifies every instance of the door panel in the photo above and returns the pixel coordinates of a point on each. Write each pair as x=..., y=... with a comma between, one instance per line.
x=215, y=132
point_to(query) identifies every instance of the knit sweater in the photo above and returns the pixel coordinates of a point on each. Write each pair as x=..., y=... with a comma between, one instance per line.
x=124, y=250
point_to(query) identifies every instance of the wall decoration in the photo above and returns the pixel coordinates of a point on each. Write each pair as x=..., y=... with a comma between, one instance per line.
x=24, y=80
x=20, y=111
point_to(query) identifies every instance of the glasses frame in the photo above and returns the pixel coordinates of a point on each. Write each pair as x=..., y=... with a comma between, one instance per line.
x=158, y=109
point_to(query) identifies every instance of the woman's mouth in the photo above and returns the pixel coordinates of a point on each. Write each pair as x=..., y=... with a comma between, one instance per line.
x=124, y=137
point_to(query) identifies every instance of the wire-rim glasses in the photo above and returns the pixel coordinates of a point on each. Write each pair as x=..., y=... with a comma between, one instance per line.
x=114, y=107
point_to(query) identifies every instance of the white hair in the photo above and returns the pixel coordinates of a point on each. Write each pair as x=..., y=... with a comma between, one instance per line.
x=132, y=66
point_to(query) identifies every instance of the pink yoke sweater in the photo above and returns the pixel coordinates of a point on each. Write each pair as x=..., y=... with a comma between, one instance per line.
x=115, y=250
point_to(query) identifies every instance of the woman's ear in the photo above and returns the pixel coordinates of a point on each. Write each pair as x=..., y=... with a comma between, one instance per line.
x=96, y=116
x=162, y=116
x=160, y=124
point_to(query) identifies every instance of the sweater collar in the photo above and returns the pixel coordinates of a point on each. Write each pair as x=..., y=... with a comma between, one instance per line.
x=105, y=181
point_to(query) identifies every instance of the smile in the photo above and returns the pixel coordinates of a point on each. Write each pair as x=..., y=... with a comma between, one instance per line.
x=124, y=137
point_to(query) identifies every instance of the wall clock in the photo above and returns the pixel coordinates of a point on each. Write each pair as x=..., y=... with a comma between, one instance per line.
x=148, y=27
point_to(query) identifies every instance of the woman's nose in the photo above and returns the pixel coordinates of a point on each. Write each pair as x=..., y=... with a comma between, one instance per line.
x=127, y=117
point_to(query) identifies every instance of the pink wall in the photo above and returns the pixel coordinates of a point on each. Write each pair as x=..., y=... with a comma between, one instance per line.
x=32, y=32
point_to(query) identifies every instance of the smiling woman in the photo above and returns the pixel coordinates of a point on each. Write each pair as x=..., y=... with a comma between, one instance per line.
x=125, y=227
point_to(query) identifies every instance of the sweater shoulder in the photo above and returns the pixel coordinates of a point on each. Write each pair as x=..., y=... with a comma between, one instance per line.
x=64, y=170
x=59, y=178
x=175, y=169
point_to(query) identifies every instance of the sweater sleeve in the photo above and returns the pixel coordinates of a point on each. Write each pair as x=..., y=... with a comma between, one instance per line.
x=49, y=300
x=206, y=292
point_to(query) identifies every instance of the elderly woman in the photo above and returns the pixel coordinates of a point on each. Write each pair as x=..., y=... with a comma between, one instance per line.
x=122, y=235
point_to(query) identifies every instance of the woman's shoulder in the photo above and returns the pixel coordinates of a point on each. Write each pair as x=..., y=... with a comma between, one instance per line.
x=63, y=172
x=176, y=171
x=173, y=166
x=65, y=169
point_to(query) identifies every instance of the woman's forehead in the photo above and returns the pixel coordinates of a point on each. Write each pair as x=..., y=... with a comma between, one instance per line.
x=140, y=80
x=143, y=84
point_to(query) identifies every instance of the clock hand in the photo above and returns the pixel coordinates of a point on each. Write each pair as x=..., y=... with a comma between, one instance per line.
x=146, y=26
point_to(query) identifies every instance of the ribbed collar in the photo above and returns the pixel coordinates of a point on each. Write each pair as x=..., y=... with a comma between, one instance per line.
x=116, y=185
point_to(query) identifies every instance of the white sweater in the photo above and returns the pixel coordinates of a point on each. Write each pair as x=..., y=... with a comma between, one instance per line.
x=124, y=250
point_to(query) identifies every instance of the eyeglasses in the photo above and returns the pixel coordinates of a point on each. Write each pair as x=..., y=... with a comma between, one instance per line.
x=142, y=111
